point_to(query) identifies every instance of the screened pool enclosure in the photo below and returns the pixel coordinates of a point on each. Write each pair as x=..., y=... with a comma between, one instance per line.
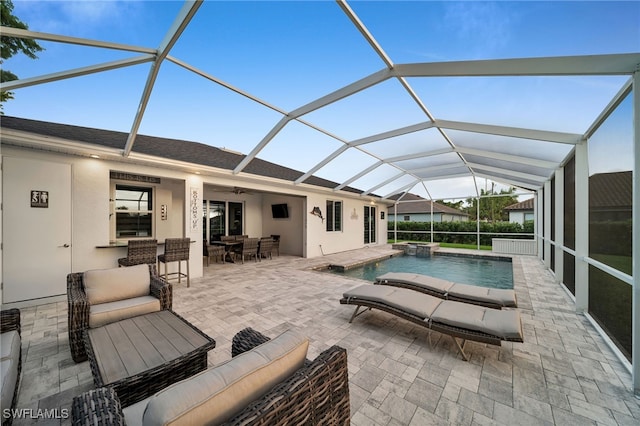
x=428, y=98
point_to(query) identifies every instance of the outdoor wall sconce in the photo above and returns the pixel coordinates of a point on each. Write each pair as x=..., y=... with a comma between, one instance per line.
x=382, y=215
x=317, y=212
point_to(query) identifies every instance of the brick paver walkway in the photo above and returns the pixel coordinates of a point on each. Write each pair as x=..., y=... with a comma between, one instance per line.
x=399, y=375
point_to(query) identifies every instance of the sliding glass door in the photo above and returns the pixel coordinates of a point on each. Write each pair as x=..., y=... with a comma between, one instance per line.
x=220, y=217
x=369, y=224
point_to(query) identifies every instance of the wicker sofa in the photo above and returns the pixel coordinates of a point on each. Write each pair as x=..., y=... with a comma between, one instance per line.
x=266, y=382
x=11, y=348
x=102, y=296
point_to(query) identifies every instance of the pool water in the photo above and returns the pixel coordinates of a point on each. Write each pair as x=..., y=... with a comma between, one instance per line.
x=479, y=271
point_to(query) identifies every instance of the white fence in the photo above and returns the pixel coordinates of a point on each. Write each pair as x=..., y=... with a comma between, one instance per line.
x=512, y=246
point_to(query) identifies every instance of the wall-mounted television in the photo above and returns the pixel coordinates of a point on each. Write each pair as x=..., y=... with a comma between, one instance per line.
x=280, y=211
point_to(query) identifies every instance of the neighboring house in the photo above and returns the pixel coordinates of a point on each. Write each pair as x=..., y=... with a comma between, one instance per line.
x=521, y=212
x=413, y=208
x=71, y=200
x=610, y=196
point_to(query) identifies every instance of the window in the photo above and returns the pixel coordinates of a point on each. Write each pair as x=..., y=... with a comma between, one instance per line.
x=407, y=218
x=334, y=215
x=134, y=211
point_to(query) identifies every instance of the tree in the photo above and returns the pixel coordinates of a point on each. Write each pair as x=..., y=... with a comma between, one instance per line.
x=458, y=205
x=10, y=46
x=492, y=206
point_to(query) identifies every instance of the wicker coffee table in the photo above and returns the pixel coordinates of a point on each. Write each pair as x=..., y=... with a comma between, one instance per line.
x=142, y=355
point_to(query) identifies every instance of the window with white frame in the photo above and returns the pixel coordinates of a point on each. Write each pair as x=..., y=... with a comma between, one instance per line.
x=134, y=211
x=407, y=218
x=334, y=216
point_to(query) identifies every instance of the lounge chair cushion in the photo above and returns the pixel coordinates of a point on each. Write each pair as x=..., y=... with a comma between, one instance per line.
x=106, y=313
x=503, y=297
x=419, y=304
x=108, y=285
x=449, y=289
x=10, y=349
x=505, y=324
x=432, y=283
x=216, y=394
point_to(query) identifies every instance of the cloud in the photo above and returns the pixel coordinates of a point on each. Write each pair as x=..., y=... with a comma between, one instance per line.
x=78, y=18
x=484, y=25
x=93, y=11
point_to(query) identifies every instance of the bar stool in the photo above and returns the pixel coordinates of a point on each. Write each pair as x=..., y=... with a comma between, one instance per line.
x=175, y=250
x=140, y=251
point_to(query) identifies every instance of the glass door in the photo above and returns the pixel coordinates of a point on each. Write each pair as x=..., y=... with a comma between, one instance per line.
x=235, y=219
x=369, y=224
x=214, y=220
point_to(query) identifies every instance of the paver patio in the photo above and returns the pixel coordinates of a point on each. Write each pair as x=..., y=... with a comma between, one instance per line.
x=563, y=374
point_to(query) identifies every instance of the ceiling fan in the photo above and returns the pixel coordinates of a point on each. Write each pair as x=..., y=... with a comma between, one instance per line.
x=237, y=190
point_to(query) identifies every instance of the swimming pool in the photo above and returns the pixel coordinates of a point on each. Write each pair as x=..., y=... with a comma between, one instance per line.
x=481, y=271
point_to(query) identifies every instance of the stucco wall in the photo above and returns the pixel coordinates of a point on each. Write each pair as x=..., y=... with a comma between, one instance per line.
x=302, y=234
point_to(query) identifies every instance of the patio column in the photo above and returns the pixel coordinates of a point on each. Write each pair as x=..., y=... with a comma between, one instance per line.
x=547, y=224
x=582, y=227
x=539, y=213
x=559, y=237
x=635, y=326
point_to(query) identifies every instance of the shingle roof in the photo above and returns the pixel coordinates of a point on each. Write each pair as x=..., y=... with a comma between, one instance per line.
x=175, y=149
x=607, y=190
x=421, y=205
x=522, y=205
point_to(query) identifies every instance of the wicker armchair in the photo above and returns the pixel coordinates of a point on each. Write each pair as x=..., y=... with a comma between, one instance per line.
x=213, y=252
x=78, y=306
x=140, y=251
x=315, y=394
x=10, y=321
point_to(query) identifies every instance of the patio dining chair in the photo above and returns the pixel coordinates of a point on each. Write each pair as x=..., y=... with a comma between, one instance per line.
x=276, y=244
x=213, y=252
x=249, y=248
x=139, y=252
x=265, y=248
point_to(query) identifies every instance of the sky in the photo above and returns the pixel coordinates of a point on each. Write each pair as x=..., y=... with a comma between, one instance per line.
x=290, y=53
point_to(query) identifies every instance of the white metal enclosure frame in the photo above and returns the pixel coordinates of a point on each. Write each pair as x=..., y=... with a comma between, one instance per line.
x=526, y=158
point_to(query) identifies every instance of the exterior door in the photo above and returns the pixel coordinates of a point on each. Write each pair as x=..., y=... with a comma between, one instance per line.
x=369, y=224
x=36, y=223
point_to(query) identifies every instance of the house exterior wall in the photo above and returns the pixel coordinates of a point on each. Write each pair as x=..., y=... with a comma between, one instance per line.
x=291, y=229
x=520, y=216
x=303, y=234
x=320, y=241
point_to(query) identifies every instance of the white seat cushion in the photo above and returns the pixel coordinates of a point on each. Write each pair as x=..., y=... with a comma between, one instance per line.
x=109, y=285
x=216, y=394
x=106, y=313
x=10, y=349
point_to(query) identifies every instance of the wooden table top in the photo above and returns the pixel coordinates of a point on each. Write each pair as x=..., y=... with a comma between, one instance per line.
x=132, y=346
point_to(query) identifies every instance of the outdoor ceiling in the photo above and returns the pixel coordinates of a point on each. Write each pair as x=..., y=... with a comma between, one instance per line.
x=384, y=126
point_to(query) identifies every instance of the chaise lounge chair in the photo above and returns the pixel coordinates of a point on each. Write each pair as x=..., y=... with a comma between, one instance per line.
x=483, y=296
x=456, y=319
